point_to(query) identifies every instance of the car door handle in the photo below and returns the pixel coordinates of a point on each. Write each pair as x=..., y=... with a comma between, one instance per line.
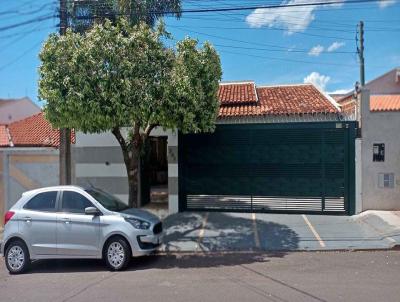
x=66, y=220
x=27, y=219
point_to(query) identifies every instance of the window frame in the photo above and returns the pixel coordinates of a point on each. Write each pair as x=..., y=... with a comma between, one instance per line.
x=390, y=181
x=55, y=210
x=60, y=200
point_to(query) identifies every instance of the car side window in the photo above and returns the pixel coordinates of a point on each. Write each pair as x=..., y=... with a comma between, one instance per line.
x=45, y=202
x=74, y=202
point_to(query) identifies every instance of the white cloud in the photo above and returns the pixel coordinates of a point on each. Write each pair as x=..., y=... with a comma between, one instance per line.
x=316, y=51
x=383, y=4
x=317, y=79
x=334, y=46
x=293, y=19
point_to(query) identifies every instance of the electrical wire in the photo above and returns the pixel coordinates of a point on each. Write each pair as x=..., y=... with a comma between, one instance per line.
x=20, y=56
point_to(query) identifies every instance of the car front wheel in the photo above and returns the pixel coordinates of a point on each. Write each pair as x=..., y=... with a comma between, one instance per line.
x=17, y=257
x=117, y=254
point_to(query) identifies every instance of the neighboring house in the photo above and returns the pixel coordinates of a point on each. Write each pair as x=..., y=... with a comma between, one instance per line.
x=284, y=148
x=12, y=110
x=28, y=158
x=386, y=84
x=380, y=140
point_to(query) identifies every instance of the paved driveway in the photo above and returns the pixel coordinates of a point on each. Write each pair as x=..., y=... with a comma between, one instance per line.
x=214, y=231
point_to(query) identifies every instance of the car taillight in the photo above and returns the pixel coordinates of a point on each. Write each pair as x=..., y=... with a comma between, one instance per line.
x=8, y=216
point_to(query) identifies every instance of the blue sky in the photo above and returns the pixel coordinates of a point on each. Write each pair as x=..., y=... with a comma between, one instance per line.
x=268, y=46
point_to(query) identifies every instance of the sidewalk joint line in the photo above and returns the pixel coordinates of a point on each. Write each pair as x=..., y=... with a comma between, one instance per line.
x=316, y=235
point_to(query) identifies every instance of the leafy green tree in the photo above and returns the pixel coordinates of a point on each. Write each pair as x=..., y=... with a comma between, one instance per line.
x=123, y=79
x=84, y=13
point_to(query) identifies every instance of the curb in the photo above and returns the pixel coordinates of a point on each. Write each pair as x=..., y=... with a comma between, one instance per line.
x=395, y=247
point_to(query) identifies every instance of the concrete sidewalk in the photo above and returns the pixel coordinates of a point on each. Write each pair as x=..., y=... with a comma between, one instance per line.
x=233, y=232
x=226, y=232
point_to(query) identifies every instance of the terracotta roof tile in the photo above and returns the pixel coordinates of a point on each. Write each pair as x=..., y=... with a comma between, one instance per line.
x=347, y=103
x=35, y=131
x=4, y=136
x=282, y=100
x=237, y=93
x=390, y=102
x=385, y=102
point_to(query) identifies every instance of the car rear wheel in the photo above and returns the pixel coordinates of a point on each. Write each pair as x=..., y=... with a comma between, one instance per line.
x=17, y=257
x=117, y=254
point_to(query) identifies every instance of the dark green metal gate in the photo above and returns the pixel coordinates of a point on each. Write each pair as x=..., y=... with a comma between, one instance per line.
x=291, y=167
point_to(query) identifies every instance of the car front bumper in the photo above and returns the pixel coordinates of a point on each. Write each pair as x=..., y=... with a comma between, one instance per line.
x=147, y=244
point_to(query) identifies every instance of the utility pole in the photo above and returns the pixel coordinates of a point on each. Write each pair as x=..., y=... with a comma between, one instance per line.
x=65, y=133
x=360, y=51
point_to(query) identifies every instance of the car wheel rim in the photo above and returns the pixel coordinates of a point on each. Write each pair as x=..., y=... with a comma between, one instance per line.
x=16, y=258
x=116, y=254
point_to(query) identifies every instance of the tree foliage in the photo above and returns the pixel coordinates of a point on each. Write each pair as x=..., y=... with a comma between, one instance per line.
x=117, y=76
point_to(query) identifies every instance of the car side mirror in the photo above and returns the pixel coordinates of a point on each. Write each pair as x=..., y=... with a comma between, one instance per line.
x=92, y=211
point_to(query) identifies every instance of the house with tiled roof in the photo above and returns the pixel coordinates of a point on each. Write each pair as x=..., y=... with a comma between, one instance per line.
x=282, y=148
x=377, y=107
x=28, y=157
x=384, y=91
x=32, y=131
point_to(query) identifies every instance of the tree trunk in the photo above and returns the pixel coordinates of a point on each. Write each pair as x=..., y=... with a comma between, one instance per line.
x=131, y=154
x=132, y=169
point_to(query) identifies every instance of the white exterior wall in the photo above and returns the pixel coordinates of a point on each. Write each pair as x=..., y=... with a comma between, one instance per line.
x=379, y=127
x=388, y=83
x=97, y=158
x=358, y=161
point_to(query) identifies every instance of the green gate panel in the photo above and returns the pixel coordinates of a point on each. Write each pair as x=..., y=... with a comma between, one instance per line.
x=309, y=165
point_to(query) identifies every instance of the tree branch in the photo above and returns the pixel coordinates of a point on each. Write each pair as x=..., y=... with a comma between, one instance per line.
x=148, y=130
x=117, y=133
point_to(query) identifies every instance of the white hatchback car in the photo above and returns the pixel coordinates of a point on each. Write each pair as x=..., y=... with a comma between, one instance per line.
x=67, y=222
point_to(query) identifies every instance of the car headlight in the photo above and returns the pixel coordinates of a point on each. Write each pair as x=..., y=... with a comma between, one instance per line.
x=138, y=224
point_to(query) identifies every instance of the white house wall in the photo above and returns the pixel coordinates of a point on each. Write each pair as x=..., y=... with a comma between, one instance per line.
x=15, y=110
x=388, y=83
x=380, y=127
x=98, y=161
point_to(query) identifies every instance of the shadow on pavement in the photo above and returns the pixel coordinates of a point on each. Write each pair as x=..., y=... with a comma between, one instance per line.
x=223, y=232
x=226, y=232
x=170, y=261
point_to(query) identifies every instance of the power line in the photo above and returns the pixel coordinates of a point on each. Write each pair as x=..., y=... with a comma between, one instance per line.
x=242, y=8
x=30, y=21
x=20, y=56
x=288, y=60
x=26, y=32
x=272, y=28
x=31, y=12
x=17, y=39
x=287, y=50
x=184, y=29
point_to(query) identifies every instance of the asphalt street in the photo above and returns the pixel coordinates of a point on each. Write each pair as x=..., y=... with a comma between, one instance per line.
x=297, y=276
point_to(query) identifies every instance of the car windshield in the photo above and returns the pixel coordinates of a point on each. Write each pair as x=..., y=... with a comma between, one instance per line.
x=108, y=201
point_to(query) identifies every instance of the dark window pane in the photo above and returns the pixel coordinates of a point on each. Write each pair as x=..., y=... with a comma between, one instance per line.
x=45, y=201
x=108, y=201
x=74, y=202
x=378, y=152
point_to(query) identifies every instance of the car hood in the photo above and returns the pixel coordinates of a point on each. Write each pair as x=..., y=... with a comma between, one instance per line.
x=140, y=214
